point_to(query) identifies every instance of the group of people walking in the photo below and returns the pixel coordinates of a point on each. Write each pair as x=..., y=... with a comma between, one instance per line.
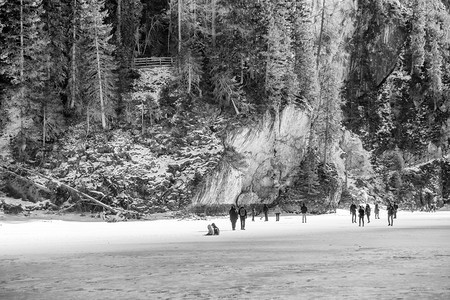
x=236, y=214
x=241, y=214
x=366, y=211
x=363, y=212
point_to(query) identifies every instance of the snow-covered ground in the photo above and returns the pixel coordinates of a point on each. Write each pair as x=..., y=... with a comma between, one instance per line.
x=328, y=257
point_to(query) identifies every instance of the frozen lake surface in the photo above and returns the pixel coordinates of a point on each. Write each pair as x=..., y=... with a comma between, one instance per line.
x=328, y=257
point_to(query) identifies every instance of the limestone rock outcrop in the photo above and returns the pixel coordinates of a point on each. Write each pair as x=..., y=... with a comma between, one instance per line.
x=258, y=160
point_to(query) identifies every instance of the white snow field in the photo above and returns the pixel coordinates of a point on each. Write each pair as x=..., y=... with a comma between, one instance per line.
x=326, y=258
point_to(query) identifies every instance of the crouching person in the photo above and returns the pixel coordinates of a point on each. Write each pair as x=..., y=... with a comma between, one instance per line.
x=216, y=229
x=210, y=230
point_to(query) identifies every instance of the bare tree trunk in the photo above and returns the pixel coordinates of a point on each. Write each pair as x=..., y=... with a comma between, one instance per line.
x=88, y=124
x=327, y=129
x=100, y=88
x=44, y=124
x=137, y=41
x=179, y=26
x=74, y=66
x=235, y=107
x=189, y=74
x=119, y=22
x=242, y=71
x=170, y=27
x=320, y=34
x=22, y=63
x=142, y=118
x=213, y=23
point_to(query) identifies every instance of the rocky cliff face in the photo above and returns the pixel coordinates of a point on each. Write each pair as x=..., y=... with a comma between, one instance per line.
x=258, y=161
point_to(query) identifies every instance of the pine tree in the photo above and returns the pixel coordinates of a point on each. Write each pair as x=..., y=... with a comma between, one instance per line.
x=99, y=80
x=303, y=40
x=128, y=18
x=75, y=58
x=21, y=57
x=418, y=36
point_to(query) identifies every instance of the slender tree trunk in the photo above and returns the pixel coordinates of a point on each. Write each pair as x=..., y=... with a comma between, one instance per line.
x=189, y=74
x=170, y=27
x=119, y=23
x=327, y=129
x=88, y=118
x=137, y=41
x=179, y=26
x=213, y=23
x=22, y=63
x=74, y=53
x=44, y=125
x=242, y=71
x=100, y=88
x=142, y=118
x=320, y=35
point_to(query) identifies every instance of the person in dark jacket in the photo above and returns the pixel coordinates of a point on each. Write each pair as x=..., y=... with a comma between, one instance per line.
x=233, y=216
x=304, y=210
x=395, y=210
x=242, y=216
x=353, y=212
x=277, y=211
x=215, y=229
x=377, y=211
x=361, y=215
x=266, y=212
x=368, y=209
x=390, y=211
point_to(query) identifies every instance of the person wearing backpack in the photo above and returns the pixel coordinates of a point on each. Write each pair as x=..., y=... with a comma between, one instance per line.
x=304, y=210
x=353, y=212
x=361, y=215
x=368, y=209
x=390, y=211
x=277, y=213
x=266, y=212
x=377, y=211
x=233, y=217
x=242, y=216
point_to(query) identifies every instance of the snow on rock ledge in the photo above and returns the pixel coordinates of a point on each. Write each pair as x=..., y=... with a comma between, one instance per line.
x=258, y=160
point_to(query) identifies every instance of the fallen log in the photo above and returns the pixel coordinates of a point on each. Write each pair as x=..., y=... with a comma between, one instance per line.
x=38, y=185
x=84, y=195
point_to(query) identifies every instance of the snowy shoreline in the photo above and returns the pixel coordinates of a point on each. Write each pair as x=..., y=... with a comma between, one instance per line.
x=78, y=234
x=328, y=257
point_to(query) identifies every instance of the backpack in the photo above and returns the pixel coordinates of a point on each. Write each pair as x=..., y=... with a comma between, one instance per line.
x=242, y=212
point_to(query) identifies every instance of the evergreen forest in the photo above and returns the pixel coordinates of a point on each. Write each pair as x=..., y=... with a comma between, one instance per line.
x=323, y=102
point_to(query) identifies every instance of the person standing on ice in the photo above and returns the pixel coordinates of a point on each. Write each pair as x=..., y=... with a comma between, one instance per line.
x=377, y=211
x=233, y=216
x=395, y=210
x=266, y=212
x=353, y=212
x=253, y=213
x=361, y=215
x=368, y=212
x=242, y=216
x=390, y=211
x=277, y=213
x=304, y=210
